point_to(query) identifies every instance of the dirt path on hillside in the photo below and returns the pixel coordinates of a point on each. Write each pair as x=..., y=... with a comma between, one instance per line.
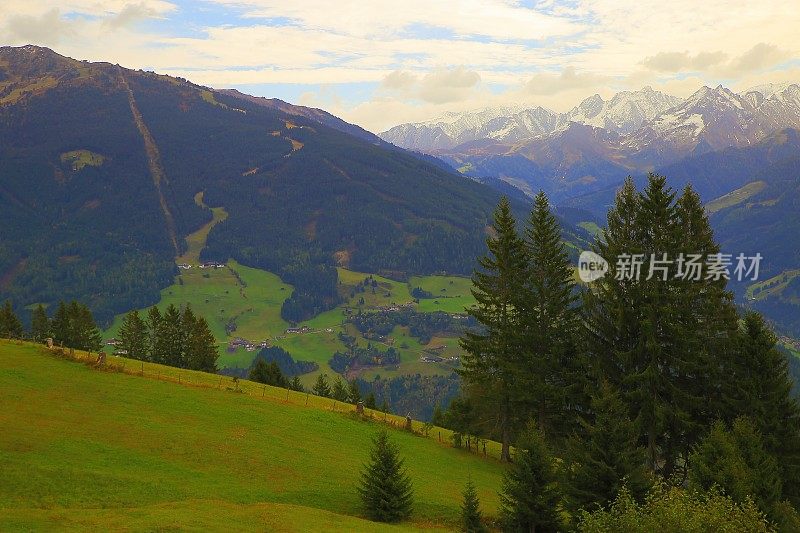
x=153, y=162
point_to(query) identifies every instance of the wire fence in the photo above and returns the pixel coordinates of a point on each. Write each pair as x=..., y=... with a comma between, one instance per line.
x=101, y=361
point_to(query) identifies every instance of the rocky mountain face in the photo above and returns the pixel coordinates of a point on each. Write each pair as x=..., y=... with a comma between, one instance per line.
x=600, y=141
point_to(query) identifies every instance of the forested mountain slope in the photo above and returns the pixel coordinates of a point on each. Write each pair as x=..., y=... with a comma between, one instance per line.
x=100, y=165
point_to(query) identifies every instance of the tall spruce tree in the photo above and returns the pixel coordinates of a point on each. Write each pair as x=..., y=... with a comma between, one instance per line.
x=606, y=455
x=10, y=326
x=133, y=336
x=385, y=488
x=548, y=372
x=201, y=349
x=657, y=332
x=172, y=338
x=61, y=327
x=40, y=324
x=491, y=355
x=764, y=394
x=530, y=493
x=84, y=333
x=156, y=341
x=471, y=516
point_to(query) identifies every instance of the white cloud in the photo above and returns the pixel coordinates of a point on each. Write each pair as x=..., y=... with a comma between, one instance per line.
x=429, y=57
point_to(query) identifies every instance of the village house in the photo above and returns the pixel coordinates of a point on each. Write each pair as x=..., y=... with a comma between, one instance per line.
x=184, y=266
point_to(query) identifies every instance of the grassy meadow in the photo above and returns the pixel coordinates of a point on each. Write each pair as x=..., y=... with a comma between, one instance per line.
x=86, y=449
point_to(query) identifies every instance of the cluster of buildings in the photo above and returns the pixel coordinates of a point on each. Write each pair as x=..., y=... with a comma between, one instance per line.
x=206, y=264
x=250, y=346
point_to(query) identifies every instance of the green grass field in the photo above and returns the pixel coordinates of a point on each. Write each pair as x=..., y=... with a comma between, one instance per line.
x=251, y=299
x=735, y=197
x=83, y=449
x=451, y=294
x=772, y=286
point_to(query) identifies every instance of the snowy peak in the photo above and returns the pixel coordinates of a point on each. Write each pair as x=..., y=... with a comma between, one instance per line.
x=625, y=112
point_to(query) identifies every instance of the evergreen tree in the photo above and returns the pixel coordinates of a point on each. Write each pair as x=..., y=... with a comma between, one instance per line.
x=10, y=326
x=156, y=341
x=656, y=333
x=606, y=456
x=470, y=511
x=40, y=324
x=339, y=390
x=83, y=330
x=737, y=462
x=171, y=337
x=354, y=394
x=321, y=387
x=62, y=331
x=385, y=488
x=296, y=385
x=547, y=373
x=133, y=336
x=491, y=354
x=201, y=349
x=384, y=406
x=267, y=373
x=369, y=403
x=764, y=394
x=437, y=419
x=188, y=328
x=529, y=498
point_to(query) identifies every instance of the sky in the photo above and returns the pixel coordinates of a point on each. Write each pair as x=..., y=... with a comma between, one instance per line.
x=379, y=64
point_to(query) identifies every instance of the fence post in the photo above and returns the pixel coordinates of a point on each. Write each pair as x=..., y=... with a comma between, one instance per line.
x=307, y=395
x=263, y=391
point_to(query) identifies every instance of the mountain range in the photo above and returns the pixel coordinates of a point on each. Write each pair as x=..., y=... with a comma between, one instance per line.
x=590, y=146
x=739, y=151
x=104, y=172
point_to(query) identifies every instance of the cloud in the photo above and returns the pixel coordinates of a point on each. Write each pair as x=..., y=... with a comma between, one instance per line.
x=759, y=57
x=680, y=61
x=48, y=28
x=568, y=79
x=441, y=86
x=130, y=15
x=448, y=85
x=399, y=80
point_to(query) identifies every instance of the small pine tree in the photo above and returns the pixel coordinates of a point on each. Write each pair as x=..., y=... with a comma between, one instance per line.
x=10, y=326
x=354, y=394
x=385, y=487
x=607, y=456
x=40, y=324
x=735, y=460
x=155, y=323
x=438, y=416
x=339, y=391
x=296, y=385
x=530, y=496
x=385, y=406
x=267, y=373
x=321, y=387
x=86, y=333
x=369, y=403
x=470, y=511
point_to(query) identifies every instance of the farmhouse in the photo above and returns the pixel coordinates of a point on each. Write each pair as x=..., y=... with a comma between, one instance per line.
x=212, y=264
x=184, y=266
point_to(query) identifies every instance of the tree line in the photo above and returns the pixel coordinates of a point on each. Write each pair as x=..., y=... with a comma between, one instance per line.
x=635, y=380
x=71, y=326
x=175, y=337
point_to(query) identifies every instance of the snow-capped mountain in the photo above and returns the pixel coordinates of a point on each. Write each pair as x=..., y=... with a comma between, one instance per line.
x=452, y=129
x=624, y=113
x=714, y=119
